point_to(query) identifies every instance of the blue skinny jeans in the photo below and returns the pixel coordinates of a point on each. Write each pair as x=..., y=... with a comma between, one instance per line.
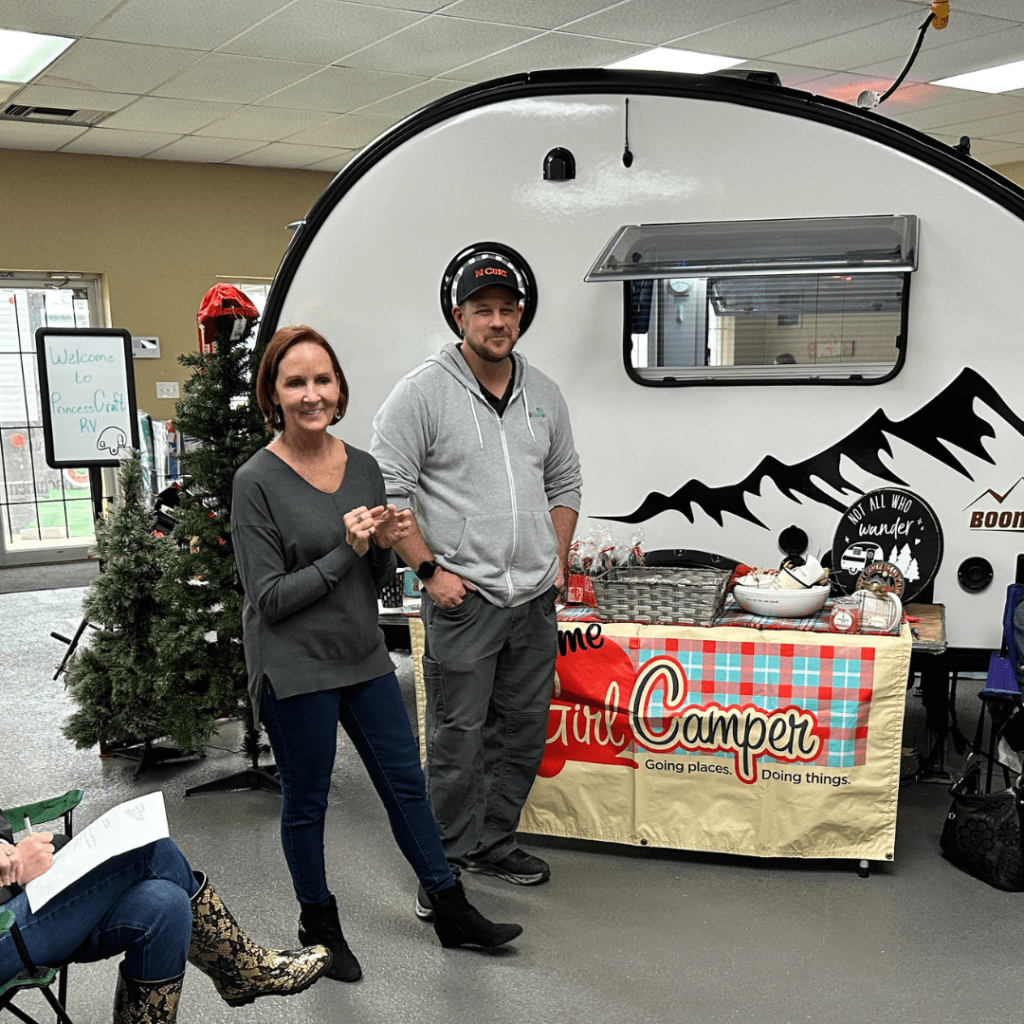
x=303, y=732
x=136, y=904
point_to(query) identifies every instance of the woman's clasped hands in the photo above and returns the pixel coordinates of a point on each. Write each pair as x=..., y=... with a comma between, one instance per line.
x=384, y=523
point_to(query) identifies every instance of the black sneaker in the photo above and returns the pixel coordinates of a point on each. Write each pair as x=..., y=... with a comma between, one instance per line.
x=422, y=908
x=518, y=867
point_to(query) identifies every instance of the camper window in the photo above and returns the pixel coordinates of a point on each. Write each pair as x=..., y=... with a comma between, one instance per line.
x=819, y=300
x=827, y=328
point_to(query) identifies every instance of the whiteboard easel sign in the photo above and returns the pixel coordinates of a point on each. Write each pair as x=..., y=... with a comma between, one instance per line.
x=87, y=385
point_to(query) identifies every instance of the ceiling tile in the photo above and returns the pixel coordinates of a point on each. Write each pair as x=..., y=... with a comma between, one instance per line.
x=110, y=142
x=657, y=21
x=399, y=104
x=977, y=108
x=205, y=149
x=350, y=131
x=164, y=115
x=189, y=24
x=436, y=44
x=970, y=52
x=116, y=67
x=790, y=24
x=263, y=124
x=423, y=6
x=55, y=17
x=551, y=50
x=14, y=135
x=528, y=13
x=890, y=42
x=77, y=99
x=987, y=128
x=1000, y=161
x=7, y=90
x=334, y=163
x=1010, y=9
x=340, y=90
x=319, y=31
x=281, y=154
x=231, y=78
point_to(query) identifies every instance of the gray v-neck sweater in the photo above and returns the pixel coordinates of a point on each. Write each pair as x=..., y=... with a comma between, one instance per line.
x=309, y=620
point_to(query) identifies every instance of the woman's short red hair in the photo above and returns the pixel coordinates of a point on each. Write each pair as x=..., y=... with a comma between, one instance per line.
x=266, y=376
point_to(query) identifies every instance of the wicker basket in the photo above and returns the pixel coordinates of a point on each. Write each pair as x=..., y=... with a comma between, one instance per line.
x=661, y=594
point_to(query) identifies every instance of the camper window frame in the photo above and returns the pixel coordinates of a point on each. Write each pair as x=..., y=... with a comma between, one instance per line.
x=790, y=375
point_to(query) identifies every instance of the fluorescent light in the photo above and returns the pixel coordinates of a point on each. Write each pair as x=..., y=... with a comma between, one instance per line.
x=24, y=54
x=665, y=58
x=1001, y=78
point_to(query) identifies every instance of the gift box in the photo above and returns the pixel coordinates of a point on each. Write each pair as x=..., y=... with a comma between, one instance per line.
x=580, y=590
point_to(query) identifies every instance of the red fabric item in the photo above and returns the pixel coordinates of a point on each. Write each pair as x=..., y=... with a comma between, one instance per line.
x=222, y=300
x=226, y=300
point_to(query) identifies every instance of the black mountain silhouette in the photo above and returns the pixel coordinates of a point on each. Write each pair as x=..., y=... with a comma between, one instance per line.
x=949, y=418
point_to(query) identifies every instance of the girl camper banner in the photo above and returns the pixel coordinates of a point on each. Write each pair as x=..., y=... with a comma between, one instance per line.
x=722, y=740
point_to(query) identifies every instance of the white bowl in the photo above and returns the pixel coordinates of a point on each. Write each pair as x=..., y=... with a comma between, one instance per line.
x=783, y=604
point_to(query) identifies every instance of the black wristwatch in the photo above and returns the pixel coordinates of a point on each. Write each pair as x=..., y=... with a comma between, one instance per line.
x=427, y=569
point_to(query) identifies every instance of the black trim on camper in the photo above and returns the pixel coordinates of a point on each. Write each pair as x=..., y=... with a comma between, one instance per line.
x=715, y=88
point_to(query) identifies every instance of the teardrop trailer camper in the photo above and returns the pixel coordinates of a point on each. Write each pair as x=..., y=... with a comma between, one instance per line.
x=760, y=305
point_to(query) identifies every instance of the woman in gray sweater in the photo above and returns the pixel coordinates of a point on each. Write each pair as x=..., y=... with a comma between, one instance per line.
x=312, y=536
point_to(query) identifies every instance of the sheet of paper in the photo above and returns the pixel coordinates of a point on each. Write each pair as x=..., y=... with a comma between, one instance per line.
x=124, y=827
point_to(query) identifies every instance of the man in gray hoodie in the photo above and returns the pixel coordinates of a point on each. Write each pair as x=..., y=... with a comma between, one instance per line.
x=478, y=444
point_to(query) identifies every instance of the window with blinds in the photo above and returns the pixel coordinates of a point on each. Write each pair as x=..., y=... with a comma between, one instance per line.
x=822, y=300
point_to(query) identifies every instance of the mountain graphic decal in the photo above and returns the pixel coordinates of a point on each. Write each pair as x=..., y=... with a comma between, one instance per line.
x=999, y=498
x=948, y=419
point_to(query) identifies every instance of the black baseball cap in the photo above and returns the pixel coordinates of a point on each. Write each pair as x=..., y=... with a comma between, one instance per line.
x=486, y=273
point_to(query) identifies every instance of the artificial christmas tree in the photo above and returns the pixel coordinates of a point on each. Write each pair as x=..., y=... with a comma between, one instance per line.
x=199, y=638
x=115, y=679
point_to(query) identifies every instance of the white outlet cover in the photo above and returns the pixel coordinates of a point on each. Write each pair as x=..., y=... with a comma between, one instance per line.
x=167, y=389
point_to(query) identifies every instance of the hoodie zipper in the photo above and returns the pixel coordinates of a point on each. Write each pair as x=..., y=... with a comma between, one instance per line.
x=515, y=510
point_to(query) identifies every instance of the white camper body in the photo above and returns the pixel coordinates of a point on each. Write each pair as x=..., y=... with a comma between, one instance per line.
x=365, y=269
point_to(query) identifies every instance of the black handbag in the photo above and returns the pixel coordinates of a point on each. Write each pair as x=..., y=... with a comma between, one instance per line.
x=983, y=831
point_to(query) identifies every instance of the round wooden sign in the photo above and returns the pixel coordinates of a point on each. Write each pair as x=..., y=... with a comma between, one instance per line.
x=888, y=525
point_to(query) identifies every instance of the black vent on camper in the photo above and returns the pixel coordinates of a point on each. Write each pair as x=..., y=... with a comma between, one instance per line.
x=52, y=115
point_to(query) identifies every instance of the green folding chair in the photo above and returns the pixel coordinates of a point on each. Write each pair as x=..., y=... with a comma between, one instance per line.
x=33, y=976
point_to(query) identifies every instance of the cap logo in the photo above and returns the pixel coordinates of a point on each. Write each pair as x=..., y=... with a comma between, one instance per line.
x=496, y=271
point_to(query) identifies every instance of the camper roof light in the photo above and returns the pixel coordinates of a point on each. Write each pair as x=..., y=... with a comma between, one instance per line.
x=24, y=54
x=1000, y=78
x=667, y=58
x=873, y=244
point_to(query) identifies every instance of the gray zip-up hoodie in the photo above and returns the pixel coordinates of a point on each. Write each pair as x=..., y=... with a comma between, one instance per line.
x=482, y=486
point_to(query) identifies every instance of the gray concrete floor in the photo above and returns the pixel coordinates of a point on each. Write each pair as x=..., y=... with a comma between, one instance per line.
x=617, y=935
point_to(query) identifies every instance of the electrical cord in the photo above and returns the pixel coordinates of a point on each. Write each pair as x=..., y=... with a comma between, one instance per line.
x=903, y=74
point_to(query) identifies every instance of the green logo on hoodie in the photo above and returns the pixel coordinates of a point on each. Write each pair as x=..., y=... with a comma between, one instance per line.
x=537, y=414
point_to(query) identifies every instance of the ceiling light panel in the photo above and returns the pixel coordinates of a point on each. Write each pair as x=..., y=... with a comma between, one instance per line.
x=24, y=54
x=1001, y=78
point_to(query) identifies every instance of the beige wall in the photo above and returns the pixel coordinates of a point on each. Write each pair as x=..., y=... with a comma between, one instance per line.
x=1015, y=172
x=161, y=233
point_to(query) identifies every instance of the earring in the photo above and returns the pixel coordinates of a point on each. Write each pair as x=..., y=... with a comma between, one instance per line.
x=278, y=417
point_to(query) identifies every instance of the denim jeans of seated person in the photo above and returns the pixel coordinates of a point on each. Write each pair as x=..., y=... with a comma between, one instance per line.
x=136, y=904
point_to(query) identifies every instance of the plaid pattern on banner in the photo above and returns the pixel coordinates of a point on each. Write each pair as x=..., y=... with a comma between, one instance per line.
x=834, y=683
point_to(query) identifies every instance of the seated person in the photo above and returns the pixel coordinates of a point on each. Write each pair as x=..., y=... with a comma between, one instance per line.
x=151, y=906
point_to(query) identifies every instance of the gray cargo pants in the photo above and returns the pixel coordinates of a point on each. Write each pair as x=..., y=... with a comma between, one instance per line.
x=488, y=673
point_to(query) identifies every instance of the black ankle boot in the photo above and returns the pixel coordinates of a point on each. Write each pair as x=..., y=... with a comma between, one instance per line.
x=458, y=923
x=320, y=926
